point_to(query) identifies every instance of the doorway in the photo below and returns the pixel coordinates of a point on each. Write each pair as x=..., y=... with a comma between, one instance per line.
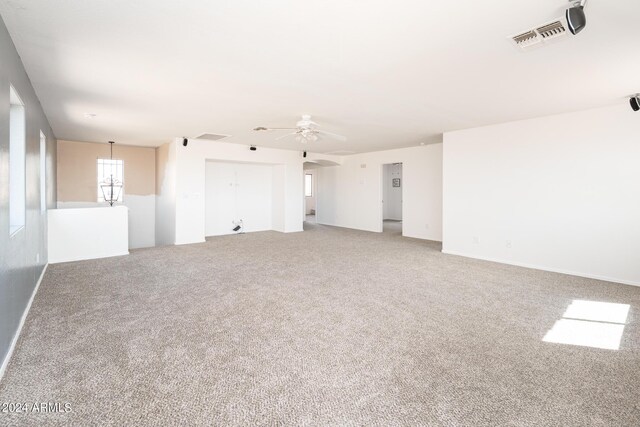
x=392, y=198
x=316, y=187
x=310, y=196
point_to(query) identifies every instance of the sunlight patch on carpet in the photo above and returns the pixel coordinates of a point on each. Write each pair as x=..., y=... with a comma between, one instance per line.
x=590, y=324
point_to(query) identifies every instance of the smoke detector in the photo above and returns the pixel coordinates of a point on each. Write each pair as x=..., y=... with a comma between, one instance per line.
x=546, y=33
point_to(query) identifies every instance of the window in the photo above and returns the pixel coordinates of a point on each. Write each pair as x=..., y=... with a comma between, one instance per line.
x=110, y=169
x=43, y=172
x=17, y=165
x=308, y=185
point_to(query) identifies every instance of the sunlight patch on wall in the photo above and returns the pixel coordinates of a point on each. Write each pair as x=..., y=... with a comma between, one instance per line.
x=590, y=324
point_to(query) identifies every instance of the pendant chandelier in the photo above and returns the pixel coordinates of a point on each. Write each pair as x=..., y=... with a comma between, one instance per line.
x=110, y=186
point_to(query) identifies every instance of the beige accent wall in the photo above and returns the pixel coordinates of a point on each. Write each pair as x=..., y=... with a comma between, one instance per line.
x=77, y=169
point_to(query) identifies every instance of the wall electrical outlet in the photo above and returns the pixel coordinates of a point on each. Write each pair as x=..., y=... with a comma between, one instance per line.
x=476, y=240
x=508, y=243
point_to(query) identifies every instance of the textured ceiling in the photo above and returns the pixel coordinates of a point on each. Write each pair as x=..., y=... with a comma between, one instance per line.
x=385, y=74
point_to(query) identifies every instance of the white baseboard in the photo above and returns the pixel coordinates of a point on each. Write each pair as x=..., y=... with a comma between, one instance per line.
x=12, y=347
x=552, y=270
x=74, y=259
x=422, y=238
x=380, y=231
x=191, y=242
x=290, y=231
x=348, y=227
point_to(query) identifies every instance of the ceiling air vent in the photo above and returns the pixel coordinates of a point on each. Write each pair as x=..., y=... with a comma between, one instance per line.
x=542, y=34
x=212, y=136
x=527, y=39
x=549, y=31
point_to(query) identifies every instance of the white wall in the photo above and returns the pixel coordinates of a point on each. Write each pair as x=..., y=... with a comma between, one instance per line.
x=165, y=219
x=141, y=211
x=237, y=191
x=278, y=191
x=190, y=178
x=559, y=193
x=87, y=233
x=350, y=195
x=392, y=196
x=142, y=220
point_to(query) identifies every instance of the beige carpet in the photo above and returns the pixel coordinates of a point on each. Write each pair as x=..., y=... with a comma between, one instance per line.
x=326, y=327
x=392, y=226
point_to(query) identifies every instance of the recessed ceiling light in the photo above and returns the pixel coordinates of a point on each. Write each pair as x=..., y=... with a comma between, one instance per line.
x=90, y=115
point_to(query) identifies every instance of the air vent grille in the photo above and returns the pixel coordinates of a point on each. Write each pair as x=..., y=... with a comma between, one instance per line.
x=554, y=29
x=212, y=136
x=541, y=34
x=526, y=39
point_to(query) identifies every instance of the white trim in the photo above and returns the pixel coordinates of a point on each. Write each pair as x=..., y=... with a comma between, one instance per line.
x=376, y=231
x=552, y=270
x=12, y=347
x=55, y=261
x=194, y=242
x=420, y=238
x=347, y=227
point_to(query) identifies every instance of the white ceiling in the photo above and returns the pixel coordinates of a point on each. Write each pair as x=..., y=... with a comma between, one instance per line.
x=384, y=73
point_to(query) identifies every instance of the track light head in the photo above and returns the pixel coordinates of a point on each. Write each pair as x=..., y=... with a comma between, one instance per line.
x=635, y=102
x=185, y=141
x=253, y=148
x=304, y=154
x=576, y=18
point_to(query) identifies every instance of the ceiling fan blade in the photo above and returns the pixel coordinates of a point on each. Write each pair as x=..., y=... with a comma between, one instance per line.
x=284, y=136
x=332, y=135
x=259, y=128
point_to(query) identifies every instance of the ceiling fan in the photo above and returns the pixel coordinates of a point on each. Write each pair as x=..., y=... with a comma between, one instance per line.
x=305, y=131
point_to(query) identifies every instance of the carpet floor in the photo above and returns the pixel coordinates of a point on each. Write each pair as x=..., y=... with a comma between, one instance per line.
x=327, y=327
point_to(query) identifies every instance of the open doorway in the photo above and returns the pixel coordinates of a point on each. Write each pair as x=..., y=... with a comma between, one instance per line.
x=392, y=198
x=310, y=196
x=314, y=183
